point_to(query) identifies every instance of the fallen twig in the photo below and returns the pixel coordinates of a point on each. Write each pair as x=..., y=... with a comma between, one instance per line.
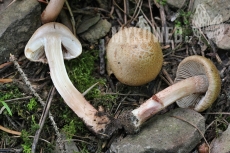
x=102, y=56
x=72, y=17
x=25, y=79
x=17, y=99
x=43, y=118
x=125, y=10
x=10, y=131
x=6, y=80
x=5, y=64
x=136, y=12
x=167, y=76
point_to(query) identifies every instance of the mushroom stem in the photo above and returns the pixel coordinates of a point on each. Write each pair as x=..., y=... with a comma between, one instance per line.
x=195, y=84
x=95, y=120
x=52, y=10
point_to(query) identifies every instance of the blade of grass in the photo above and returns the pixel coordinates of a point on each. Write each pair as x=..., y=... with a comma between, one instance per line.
x=7, y=107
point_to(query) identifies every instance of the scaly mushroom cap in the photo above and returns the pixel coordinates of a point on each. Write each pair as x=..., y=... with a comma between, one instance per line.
x=34, y=49
x=198, y=65
x=134, y=56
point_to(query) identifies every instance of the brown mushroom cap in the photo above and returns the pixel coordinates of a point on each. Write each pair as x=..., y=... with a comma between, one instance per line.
x=198, y=65
x=134, y=56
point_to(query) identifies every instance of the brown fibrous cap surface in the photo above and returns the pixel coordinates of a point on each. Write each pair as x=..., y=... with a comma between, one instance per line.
x=134, y=56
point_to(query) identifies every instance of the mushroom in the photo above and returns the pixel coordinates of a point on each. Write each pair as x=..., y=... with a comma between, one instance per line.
x=197, y=85
x=48, y=41
x=134, y=56
x=52, y=11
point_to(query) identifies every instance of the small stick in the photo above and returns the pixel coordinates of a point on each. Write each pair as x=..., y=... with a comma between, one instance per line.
x=120, y=8
x=194, y=51
x=102, y=56
x=125, y=10
x=127, y=7
x=121, y=102
x=173, y=47
x=158, y=6
x=139, y=4
x=165, y=80
x=112, y=10
x=17, y=99
x=163, y=20
x=119, y=14
x=90, y=88
x=12, y=122
x=6, y=80
x=151, y=14
x=11, y=3
x=154, y=29
x=43, y=118
x=167, y=76
x=72, y=17
x=25, y=79
x=214, y=50
x=190, y=5
x=10, y=131
x=135, y=11
x=187, y=50
x=5, y=64
x=32, y=137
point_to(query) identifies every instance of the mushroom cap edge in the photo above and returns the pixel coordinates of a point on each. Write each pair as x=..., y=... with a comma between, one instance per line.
x=34, y=49
x=206, y=67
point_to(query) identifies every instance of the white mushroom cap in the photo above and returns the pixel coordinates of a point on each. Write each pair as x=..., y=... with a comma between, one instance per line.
x=134, y=56
x=34, y=50
x=194, y=66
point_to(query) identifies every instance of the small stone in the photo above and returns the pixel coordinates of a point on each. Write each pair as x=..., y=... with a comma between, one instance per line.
x=18, y=23
x=87, y=23
x=220, y=34
x=177, y=3
x=210, y=12
x=68, y=145
x=165, y=133
x=221, y=144
x=97, y=31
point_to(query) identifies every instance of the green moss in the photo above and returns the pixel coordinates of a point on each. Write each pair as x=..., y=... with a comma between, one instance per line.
x=82, y=72
x=9, y=91
x=27, y=142
x=162, y=2
x=70, y=129
x=32, y=104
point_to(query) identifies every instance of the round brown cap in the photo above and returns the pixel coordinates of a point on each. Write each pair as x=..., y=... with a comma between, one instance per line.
x=199, y=65
x=134, y=56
